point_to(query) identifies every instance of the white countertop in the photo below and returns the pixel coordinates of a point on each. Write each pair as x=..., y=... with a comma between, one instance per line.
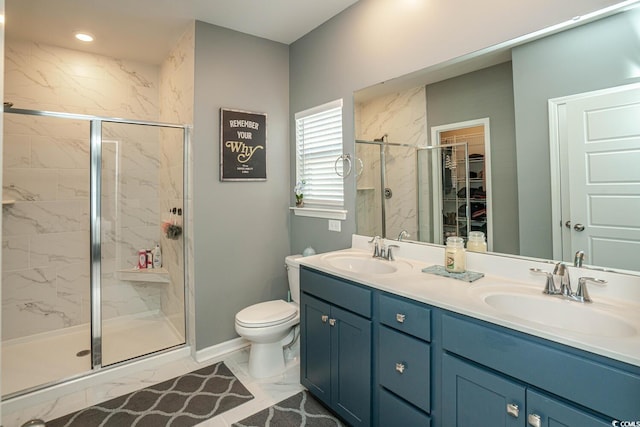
x=619, y=299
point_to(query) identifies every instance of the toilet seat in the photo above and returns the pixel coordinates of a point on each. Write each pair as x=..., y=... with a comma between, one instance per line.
x=265, y=314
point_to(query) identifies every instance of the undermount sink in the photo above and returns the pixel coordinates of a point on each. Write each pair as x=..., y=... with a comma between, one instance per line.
x=364, y=263
x=560, y=313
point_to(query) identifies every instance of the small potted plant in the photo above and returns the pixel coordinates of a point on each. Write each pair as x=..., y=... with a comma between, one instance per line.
x=299, y=192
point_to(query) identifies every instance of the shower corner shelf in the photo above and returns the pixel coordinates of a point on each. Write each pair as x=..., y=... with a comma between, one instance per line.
x=153, y=275
x=8, y=202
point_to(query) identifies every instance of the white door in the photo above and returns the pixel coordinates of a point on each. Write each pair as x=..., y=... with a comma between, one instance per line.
x=603, y=132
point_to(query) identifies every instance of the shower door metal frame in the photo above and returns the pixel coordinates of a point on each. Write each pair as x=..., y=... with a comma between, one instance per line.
x=95, y=154
x=383, y=175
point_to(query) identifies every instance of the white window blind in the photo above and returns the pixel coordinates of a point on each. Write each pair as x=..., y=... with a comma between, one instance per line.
x=318, y=145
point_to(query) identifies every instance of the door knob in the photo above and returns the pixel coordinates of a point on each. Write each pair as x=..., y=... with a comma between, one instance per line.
x=578, y=227
x=400, y=367
x=332, y=322
x=400, y=317
x=513, y=410
x=324, y=318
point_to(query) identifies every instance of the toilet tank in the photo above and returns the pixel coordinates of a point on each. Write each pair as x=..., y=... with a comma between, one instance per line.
x=292, y=263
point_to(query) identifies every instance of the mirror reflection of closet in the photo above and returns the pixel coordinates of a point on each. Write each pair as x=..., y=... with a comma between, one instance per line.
x=461, y=180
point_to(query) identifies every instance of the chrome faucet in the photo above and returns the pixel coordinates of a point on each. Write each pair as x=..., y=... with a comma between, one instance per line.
x=403, y=235
x=578, y=259
x=565, y=291
x=382, y=251
x=562, y=271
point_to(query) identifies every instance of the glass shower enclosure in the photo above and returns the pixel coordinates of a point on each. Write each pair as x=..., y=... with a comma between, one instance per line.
x=83, y=198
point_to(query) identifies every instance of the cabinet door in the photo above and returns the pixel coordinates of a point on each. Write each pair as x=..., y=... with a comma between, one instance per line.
x=543, y=411
x=351, y=369
x=315, y=347
x=475, y=397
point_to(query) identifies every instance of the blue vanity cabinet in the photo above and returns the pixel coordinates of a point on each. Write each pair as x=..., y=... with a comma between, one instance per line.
x=475, y=396
x=335, y=344
x=472, y=396
x=403, y=362
x=495, y=376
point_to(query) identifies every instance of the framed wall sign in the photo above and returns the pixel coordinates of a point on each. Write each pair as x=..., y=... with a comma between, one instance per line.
x=243, y=146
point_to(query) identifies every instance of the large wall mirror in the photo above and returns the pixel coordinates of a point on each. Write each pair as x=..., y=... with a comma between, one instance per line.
x=560, y=166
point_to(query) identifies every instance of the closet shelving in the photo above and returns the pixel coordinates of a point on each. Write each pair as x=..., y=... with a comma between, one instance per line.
x=464, y=199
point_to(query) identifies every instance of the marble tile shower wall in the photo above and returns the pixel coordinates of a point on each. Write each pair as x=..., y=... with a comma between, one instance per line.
x=46, y=171
x=176, y=105
x=402, y=116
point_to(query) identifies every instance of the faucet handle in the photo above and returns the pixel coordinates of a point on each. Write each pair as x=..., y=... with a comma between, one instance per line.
x=582, y=293
x=376, y=246
x=550, y=286
x=390, y=252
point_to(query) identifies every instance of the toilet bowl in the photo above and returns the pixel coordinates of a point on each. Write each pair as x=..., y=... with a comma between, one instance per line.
x=268, y=327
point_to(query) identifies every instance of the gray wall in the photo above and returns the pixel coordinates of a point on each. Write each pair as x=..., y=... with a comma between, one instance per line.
x=486, y=93
x=376, y=40
x=240, y=228
x=595, y=56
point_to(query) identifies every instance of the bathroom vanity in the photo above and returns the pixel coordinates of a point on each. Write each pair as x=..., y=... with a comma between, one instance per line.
x=383, y=343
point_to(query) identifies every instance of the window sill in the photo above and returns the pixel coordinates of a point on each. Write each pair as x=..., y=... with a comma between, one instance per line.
x=339, y=214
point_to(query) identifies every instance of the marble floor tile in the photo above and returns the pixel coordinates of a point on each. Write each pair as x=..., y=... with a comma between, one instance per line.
x=266, y=391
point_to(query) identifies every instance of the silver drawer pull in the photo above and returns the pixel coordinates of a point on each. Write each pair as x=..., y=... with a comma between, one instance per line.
x=400, y=367
x=324, y=318
x=534, y=420
x=513, y=410
x=400, y=317
x=332, y=322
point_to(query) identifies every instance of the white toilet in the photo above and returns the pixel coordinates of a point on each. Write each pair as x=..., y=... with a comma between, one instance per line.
x=270, y=325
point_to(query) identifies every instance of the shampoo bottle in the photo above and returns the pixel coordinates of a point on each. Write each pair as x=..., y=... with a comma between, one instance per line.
x=157, y=257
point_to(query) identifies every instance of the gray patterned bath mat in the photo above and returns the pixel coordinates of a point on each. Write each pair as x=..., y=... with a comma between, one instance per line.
x=182, y=401
x=300, y=410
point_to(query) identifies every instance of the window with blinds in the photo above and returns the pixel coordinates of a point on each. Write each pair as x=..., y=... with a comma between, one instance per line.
x=318, y=145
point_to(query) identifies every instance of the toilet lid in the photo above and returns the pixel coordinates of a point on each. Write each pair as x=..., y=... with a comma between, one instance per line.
x=266, y=314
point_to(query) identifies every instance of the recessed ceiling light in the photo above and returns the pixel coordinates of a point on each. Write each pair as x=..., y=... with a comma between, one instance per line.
x=84, y=37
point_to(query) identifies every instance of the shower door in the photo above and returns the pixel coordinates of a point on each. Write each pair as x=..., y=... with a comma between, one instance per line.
x=142, y=308
x=82, y=195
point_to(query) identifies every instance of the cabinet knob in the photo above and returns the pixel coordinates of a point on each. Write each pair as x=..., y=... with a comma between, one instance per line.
x=534, y=420
x=332, y=322
x=513, y=410
x=400, y=367
x=324, y=318
x=400, y=317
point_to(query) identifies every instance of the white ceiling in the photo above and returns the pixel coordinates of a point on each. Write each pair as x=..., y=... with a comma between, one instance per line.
x=146, y=29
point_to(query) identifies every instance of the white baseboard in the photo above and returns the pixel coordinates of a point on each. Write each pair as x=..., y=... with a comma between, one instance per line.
x=219, y=350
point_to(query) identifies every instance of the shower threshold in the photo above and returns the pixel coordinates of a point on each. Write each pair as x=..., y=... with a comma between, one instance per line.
x=48, y=357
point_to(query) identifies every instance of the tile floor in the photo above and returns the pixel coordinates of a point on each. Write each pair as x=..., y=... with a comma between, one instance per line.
x=266, y=391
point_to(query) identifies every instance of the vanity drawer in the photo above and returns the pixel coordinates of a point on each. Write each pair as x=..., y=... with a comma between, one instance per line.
x=336, y=291
x=409, y=317
x=393, y=411
x=404, y=367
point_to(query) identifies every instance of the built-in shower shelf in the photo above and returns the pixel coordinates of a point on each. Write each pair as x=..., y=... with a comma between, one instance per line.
x=8, y=202
x=155, y=275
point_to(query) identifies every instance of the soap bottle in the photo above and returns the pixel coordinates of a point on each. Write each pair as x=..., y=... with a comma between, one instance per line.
x=477, y=242
x=454, y=255
x=157, y=257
